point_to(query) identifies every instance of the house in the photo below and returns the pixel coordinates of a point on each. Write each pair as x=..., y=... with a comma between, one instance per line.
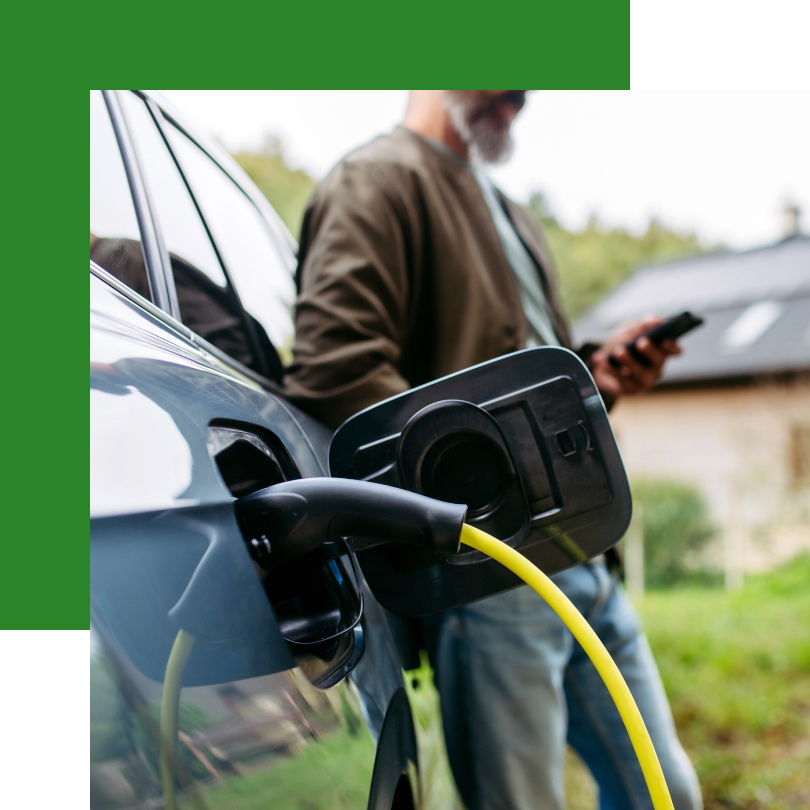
x=732, y=414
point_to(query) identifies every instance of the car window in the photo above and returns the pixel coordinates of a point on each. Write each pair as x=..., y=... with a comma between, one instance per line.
x=207, y=302
x=252, y=257
x=115, y=241
x=183, y=231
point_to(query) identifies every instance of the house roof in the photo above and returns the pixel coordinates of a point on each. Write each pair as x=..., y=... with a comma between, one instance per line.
x=756, y=306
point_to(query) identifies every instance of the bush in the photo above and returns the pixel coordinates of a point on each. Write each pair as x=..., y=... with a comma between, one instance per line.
x=676, y=529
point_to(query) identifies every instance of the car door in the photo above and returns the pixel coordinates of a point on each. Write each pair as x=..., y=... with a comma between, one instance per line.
x=183, y=421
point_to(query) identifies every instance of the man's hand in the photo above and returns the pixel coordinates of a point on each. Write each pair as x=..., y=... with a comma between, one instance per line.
x=631, y=377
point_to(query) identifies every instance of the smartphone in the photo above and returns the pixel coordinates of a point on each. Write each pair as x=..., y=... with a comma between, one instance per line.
x=670, y=329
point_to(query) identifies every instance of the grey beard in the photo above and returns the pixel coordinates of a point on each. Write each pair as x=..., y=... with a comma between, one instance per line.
x=487, y=142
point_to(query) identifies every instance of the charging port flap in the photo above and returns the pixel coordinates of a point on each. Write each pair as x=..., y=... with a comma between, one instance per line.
x=523, y=441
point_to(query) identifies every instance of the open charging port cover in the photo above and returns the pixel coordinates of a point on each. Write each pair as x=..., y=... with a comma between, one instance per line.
x=524, y=441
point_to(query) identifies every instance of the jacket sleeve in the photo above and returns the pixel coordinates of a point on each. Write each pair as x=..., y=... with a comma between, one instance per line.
x=354, y=291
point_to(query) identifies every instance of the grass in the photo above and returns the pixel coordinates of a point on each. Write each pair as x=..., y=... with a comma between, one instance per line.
x=736, y=667
x=737, y=670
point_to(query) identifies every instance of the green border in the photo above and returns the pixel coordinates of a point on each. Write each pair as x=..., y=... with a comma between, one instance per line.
x=45, y=573
x=369, y=45
x=44, y=577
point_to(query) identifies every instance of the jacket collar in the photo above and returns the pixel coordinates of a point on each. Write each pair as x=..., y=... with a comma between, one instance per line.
x=437, y=153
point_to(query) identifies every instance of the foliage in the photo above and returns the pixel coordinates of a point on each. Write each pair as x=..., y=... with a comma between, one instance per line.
x=287, y=189
x=676, y=528
x=736, y=668
x=333, y=773
x=592, y=261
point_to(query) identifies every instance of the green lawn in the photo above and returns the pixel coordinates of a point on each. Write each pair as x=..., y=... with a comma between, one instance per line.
x=737, y=670
x=736, y=667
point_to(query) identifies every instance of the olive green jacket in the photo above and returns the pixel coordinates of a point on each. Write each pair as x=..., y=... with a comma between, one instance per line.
x=403, y=278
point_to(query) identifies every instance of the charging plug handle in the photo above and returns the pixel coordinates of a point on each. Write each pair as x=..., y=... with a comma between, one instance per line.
x=294, y=517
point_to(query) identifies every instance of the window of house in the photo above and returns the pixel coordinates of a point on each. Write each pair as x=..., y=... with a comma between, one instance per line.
x=799, y=455
x=752, y=324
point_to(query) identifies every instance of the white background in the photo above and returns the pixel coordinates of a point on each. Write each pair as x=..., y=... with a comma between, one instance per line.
x=45, y=739
x=713, y=136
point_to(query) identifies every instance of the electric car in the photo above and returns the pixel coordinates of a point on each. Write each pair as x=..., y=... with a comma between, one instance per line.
x=191, y=294
x=242, y=600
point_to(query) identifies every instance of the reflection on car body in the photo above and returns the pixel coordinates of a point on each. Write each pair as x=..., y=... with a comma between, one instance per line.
x=270, y=737
x=185, y=417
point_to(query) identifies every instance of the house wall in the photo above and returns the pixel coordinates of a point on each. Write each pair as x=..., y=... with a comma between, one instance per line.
x=744, y=447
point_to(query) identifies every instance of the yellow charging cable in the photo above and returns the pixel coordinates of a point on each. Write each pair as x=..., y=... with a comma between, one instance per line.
x=170, y=713
x=594, y=648
x=532, y=576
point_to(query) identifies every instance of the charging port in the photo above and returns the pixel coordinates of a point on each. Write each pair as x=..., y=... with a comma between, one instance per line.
x=318, y=602
x=246, y=461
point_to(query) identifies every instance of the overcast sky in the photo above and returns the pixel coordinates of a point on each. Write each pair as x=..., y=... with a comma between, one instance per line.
x=713, y=136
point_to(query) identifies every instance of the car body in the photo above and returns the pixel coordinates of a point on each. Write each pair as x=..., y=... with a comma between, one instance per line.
x=227, y=670
x=187, y=416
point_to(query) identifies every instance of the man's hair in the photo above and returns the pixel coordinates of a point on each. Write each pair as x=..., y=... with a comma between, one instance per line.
x=489, y=141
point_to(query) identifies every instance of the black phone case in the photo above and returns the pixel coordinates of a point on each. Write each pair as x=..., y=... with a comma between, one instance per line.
x=671, y=329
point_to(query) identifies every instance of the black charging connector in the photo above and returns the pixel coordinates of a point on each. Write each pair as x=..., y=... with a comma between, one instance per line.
x=287, y=520
x=302, y=534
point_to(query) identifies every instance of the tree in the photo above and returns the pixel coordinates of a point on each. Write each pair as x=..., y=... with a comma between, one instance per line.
x=592, y=261
x=287, y=189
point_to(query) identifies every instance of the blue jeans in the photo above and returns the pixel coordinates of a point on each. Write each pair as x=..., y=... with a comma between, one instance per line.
x=515, y=687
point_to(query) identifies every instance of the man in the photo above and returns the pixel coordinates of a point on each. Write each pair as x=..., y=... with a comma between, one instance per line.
x=413, y=265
